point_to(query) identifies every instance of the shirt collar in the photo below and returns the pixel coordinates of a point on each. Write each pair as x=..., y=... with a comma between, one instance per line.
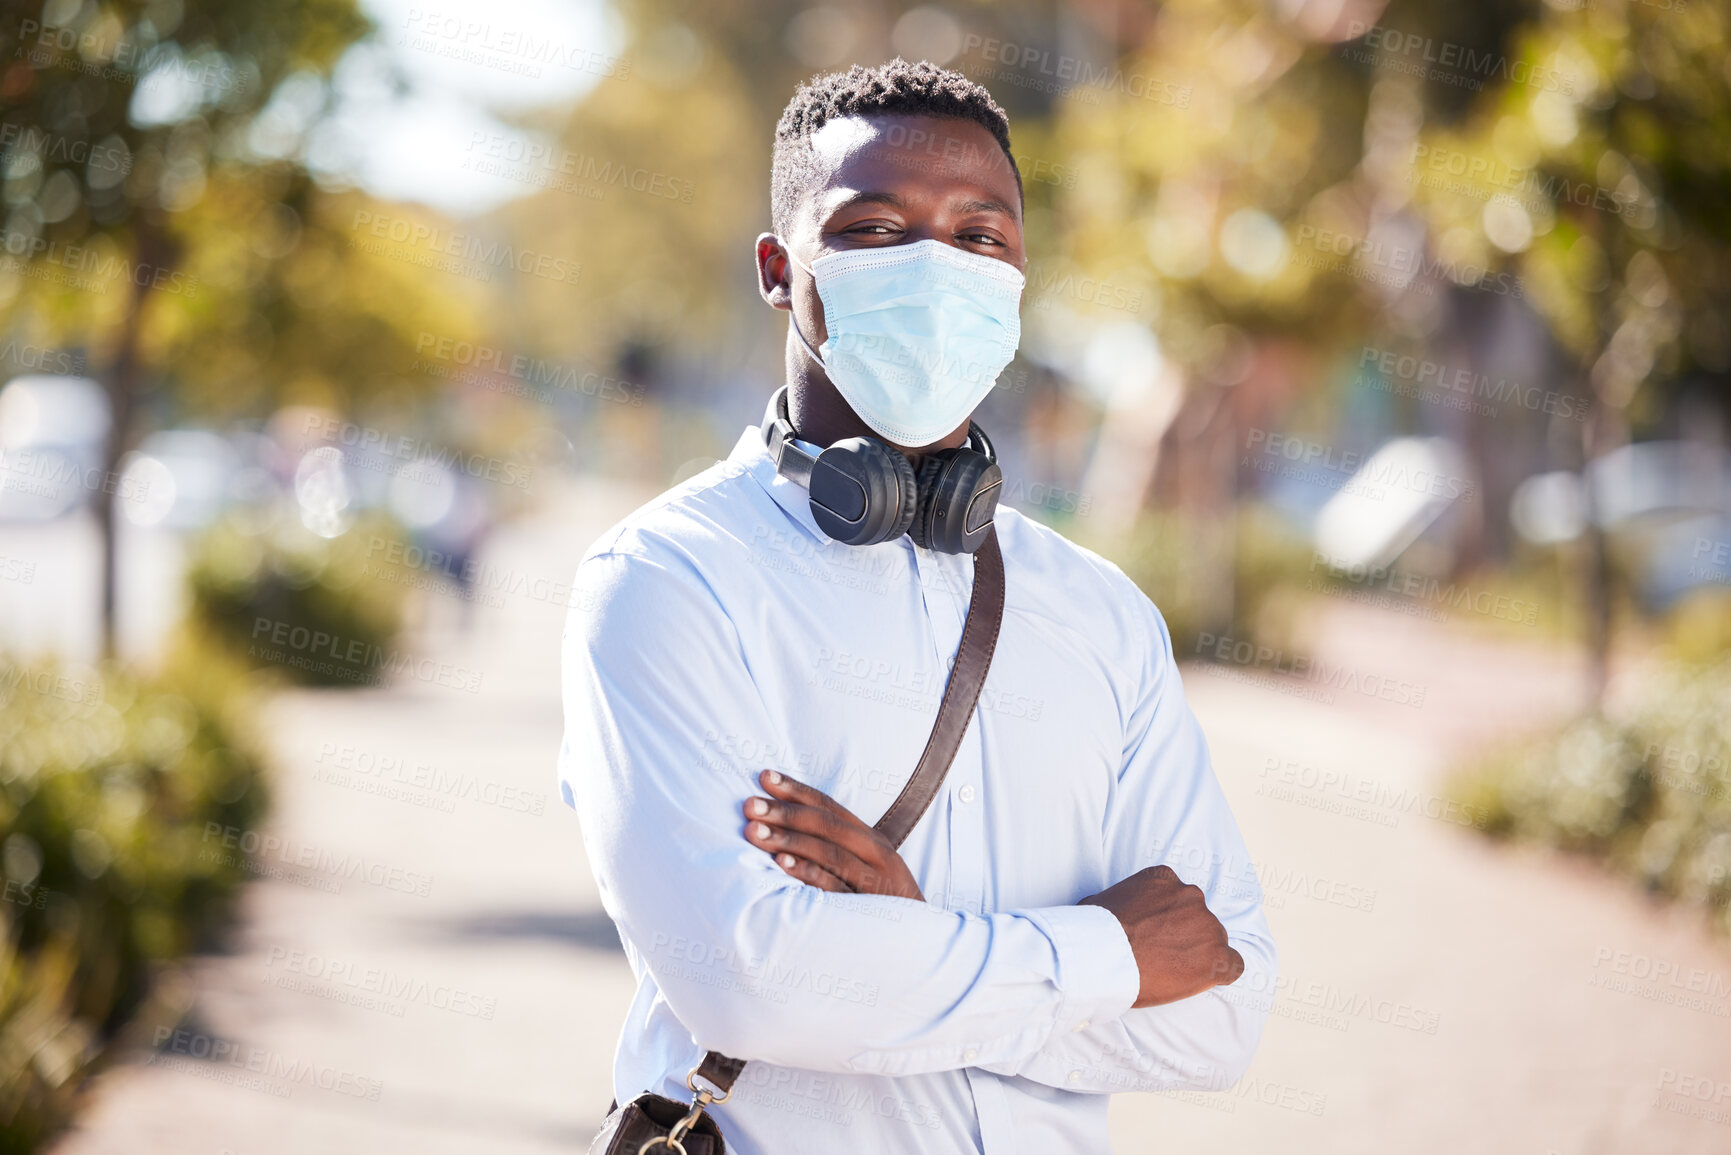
x=750, y=452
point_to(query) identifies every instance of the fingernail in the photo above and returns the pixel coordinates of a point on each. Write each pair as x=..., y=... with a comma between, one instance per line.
x=785, y=859
x=759, y=830
x=774, y=778
x=759, y=806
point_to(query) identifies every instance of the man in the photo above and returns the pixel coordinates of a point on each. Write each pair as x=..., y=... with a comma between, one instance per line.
x=744, y=696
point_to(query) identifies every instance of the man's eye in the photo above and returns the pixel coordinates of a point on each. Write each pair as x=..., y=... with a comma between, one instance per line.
x=981, y=238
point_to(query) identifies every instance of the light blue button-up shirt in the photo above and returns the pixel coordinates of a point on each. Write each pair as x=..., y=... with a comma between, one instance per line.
x=716, y=632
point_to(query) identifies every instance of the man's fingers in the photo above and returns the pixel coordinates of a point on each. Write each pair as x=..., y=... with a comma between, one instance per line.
x=810, y=873
x=830, y=824
x=794, y=816
x=780, y=786
x=1228, y=968
x=828, y=855
x=807, y=823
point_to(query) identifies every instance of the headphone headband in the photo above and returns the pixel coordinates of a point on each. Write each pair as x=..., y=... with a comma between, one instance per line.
x=791, y=461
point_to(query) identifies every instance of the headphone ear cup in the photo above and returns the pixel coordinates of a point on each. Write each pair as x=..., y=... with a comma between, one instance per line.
x=863, y=492
x=959, y=492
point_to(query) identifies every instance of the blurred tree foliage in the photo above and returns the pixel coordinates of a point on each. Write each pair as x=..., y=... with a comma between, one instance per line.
x=1609, y=189
x=1604, y=180
x=1585, y=147
x=158, y=211
x=303, y=305
x=1248, y=126
x=691, y=122
x=1296, y=183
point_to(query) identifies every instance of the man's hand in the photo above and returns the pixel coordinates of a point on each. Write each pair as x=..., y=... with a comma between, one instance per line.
x=815, y=839
x=1180, y=946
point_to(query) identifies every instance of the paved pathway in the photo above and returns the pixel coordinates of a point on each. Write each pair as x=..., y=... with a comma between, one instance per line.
x=1447, y=995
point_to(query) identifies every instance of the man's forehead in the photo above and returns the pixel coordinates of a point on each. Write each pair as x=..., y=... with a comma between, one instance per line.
x=843, y=136
x=906, y=148
x=849, y=136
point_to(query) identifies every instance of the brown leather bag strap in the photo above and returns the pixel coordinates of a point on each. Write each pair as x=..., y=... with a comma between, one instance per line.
x=720, y=1070
x=967, y=678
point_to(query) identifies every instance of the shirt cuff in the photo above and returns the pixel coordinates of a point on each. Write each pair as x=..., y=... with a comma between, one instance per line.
x=1097, y=972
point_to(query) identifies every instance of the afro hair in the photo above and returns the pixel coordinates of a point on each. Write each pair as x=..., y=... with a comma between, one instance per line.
x=894, y=89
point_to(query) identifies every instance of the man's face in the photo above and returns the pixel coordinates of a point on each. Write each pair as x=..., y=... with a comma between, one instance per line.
x=894, y=180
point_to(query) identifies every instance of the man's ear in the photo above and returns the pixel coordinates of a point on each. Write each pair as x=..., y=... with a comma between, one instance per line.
x=774, y=272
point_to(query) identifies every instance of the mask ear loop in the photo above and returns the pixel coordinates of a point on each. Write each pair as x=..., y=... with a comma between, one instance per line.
x=793, y=320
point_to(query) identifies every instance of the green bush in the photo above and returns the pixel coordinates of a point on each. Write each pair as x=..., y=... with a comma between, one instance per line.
x=293, y=601
x=109, y=786
x=1648, y=790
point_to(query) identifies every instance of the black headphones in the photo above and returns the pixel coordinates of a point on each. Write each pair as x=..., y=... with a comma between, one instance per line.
x=864, y=491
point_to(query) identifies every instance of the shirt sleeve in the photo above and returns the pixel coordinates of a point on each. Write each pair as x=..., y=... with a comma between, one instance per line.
x=1170, y=810
x=754, y=963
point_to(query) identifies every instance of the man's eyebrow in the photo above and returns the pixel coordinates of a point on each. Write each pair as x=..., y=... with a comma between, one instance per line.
x=887, y=199
x=986, y=206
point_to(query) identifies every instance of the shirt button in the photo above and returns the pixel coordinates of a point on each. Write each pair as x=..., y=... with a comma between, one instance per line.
x=970, y=1055
x=1075, y=1076
x=1081, y=1026
x=966, y=793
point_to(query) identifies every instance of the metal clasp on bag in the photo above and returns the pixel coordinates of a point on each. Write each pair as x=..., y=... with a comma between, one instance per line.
x=706, y=1094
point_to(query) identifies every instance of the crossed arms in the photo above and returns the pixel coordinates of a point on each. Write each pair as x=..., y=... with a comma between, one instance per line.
x=1117, y=992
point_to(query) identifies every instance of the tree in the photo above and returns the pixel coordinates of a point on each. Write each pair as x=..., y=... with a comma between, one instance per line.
x=120, y=121
x=1601, y=166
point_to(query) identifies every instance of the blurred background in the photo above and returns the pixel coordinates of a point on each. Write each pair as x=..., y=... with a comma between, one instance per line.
x=1384, y=345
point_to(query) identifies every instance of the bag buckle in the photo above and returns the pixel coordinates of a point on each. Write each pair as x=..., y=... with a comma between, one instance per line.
x=705, y=1095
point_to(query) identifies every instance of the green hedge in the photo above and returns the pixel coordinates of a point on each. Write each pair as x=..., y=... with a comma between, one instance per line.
x=1646, y=790
x=288, y=600
x=108, y=783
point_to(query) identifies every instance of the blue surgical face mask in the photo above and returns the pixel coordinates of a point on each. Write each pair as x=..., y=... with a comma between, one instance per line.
x=917, y=333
